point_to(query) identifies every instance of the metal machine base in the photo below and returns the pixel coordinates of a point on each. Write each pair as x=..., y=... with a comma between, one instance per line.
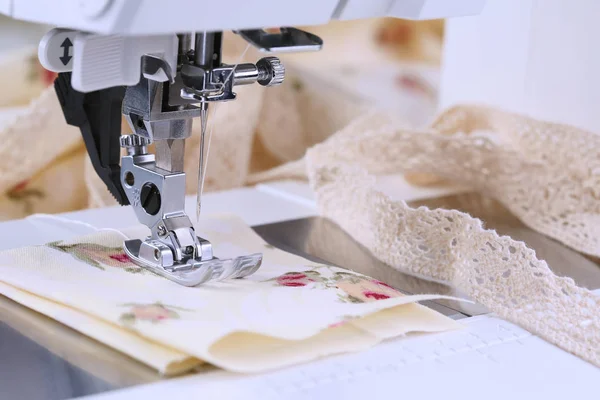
x=322, y=240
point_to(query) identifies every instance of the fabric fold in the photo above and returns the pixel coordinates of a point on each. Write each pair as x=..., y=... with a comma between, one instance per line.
x=290, y=311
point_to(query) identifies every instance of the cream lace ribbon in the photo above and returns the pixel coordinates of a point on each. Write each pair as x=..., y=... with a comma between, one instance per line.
x=22, y=152
x=546, y=174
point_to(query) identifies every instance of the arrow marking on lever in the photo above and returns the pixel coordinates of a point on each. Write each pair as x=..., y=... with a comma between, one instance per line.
x=66, y=45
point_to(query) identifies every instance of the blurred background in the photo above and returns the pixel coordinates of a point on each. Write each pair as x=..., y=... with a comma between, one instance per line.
x=387, y=64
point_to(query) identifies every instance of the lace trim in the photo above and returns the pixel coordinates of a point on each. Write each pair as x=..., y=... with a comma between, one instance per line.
x=545, y=174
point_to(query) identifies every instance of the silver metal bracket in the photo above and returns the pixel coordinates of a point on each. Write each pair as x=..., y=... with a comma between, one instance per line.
x=216, y=84
x=172, y=250
x=286, y=40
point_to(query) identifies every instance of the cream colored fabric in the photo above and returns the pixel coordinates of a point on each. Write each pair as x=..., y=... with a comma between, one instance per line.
x=33, y=166
x=22, y=156
x=546, y=174
x=289, y=311
x=160, y=357
x=22, y=78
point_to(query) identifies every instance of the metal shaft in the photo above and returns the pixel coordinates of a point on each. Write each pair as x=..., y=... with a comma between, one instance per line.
x=185, y=42
x=204, y=49
x=169, y=154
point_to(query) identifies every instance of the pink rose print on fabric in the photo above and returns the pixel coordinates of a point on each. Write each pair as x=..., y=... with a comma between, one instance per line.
x=350, y=287
x=98, y=256
x=415, y=84
x=121, y=257
x=294, y=279
x=343, y=321
x=25, y=195
x=363, y=289
x=154, y=313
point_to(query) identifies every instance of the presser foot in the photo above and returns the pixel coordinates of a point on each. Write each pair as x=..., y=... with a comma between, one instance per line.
x=152, y=255
x=157, y=195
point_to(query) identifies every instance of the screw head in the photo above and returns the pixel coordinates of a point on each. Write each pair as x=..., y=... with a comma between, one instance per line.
x=150, y=198
x=162, y=231
x=133, y=140
x=271, y=71
x=189, y=250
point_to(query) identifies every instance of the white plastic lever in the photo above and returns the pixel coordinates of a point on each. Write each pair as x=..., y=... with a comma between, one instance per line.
x=99, y=61
x=56, y=50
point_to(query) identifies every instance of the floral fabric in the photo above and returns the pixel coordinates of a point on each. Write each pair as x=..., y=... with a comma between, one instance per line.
x=351, y=287
x=308, y=309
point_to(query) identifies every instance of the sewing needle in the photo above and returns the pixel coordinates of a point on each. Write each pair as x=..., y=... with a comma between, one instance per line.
x=201, y=169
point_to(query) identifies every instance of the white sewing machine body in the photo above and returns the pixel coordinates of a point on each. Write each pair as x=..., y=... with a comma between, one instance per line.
x=154, y=27
x=150, y=17
x=489, y=358
x=510, y=55
x=527, y=56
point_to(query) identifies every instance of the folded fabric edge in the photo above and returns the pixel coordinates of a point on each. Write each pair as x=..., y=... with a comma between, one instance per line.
x=359, y=310
x=347, y=336
x=412, y=313
x=172, y=362
x=179, y=362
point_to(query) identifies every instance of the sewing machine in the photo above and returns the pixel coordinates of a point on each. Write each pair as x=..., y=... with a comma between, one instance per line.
x=140, y=60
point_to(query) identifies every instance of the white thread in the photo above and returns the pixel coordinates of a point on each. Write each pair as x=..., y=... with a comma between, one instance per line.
x=202, y=168
x=67, y=221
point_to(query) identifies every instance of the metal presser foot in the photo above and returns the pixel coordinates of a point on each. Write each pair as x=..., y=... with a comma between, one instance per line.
x=157, y=257
x=172, y=250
